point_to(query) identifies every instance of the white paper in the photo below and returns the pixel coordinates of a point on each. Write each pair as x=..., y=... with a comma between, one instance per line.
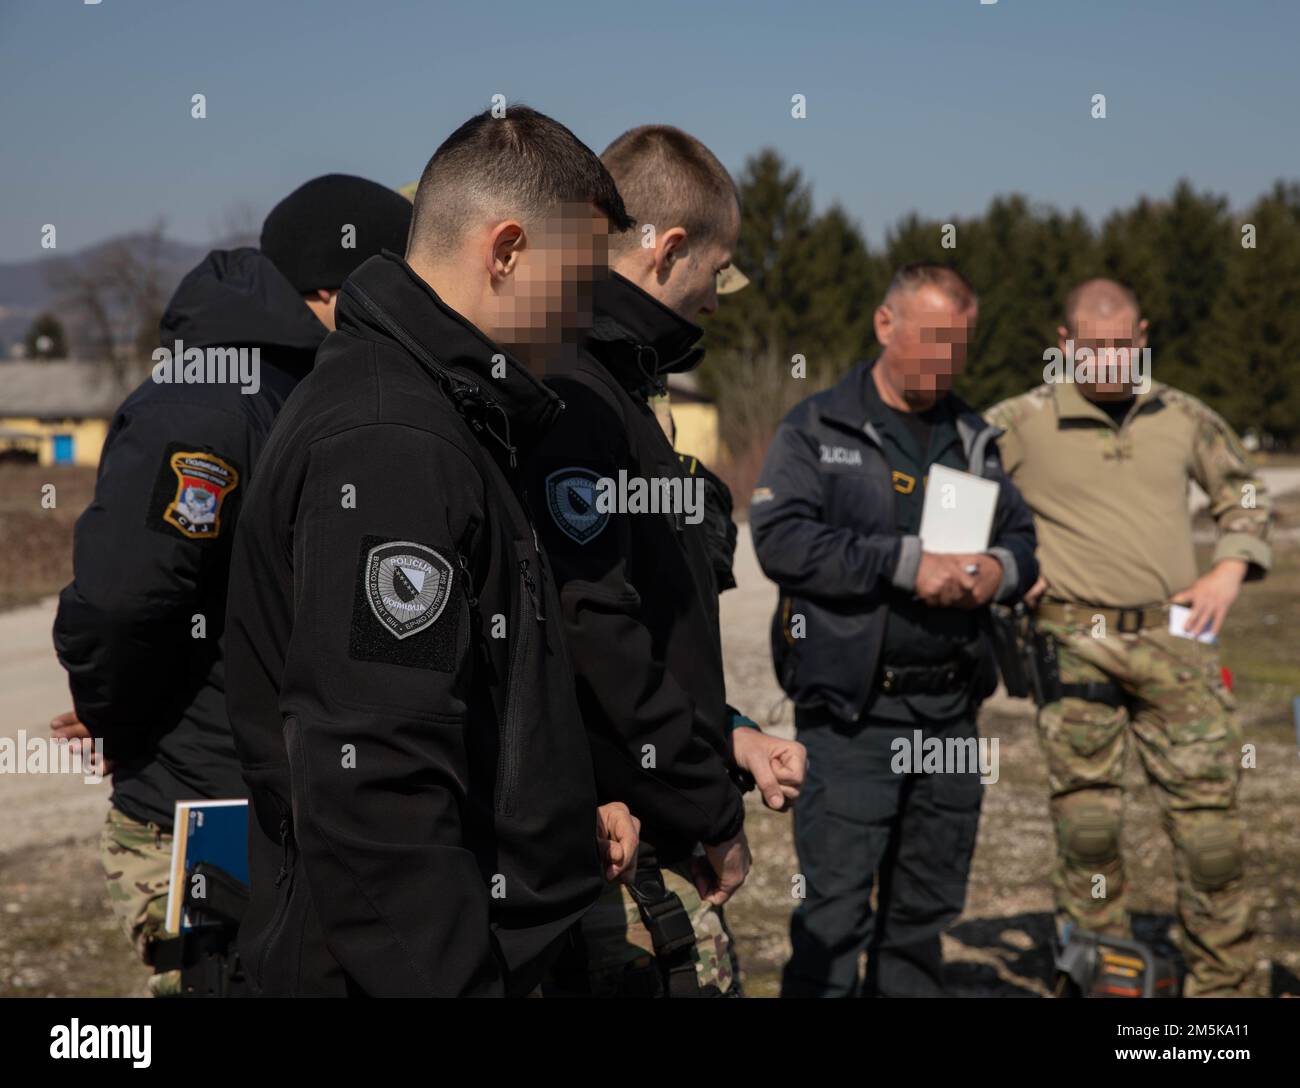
x=958, y=513
x=1178, y=616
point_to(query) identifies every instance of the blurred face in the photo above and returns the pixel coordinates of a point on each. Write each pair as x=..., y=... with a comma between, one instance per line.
x=925, y=336
x=1114, y=341
x=540, y=293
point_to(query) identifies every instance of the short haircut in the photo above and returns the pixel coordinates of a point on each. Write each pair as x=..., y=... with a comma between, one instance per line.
x=668, y=178
x=523, y=164
x=910, y=278
x=1103, y=297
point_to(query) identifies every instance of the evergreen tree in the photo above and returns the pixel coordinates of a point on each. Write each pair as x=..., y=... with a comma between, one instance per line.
x=1250, y=356
x=45, y=339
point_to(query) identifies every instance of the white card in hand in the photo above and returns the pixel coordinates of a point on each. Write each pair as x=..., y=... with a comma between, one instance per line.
x=1178, y=615
x=958, y=513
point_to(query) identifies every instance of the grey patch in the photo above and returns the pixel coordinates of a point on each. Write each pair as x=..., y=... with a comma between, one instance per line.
x=407, y=586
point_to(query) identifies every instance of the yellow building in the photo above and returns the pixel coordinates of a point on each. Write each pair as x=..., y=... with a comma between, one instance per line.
x=695, y=419
x=56, y=413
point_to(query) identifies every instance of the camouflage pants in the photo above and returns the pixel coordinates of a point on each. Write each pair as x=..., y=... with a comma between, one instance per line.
x=1180, y=718
x=136, y=859
x=617, y=946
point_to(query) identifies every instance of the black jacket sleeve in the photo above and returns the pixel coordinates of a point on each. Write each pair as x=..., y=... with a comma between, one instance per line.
x=1014, y=539
x=649, y=745
x=795, y=546
x=142, y=570
x=378, y=728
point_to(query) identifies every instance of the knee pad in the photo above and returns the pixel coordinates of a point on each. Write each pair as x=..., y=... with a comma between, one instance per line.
x=1213, y=855
x=1091, y=834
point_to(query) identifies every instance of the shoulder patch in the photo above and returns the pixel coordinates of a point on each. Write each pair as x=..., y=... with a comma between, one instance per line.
x=571, y=500
x=407, y=586
x=190, y=491
x=402, y=591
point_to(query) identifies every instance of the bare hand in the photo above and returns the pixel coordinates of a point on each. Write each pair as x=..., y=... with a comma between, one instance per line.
x=1036, y=592
x=618, y=834
x=69, y=728
x=777, y=765
x=1211, y=595
x=722, y=870
x=940, y=580
x=987, y=579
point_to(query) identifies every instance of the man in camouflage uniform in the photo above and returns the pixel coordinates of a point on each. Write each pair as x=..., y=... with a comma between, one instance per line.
x=1104, y=465
x=136, y=858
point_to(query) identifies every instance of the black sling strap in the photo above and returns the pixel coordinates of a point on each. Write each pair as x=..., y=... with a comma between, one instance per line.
x=670, y=926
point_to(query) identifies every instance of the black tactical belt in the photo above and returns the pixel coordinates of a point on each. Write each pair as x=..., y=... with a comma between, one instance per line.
x=1125, y=621
x=1111, y=695
x=941, y=679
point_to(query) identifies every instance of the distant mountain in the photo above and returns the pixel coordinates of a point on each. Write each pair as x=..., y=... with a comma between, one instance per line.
x=25, y=289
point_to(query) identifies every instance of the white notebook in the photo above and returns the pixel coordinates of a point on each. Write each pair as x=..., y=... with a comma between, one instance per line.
x=958, y=511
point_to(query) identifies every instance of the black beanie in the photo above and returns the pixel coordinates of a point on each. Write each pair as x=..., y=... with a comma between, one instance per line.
x=304, y=235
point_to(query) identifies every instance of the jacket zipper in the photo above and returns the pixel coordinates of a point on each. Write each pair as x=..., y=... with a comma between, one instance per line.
x=282, y=905
x=515, y=701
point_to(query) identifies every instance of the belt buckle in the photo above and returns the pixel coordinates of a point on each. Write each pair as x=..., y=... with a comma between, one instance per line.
x=1136, y=613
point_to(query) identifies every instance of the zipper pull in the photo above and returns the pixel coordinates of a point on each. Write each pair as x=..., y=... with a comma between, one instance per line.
x=283, y=874
x=469, y=581
x=531, y=586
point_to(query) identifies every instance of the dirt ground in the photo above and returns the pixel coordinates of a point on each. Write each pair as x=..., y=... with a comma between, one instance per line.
x=57, y=936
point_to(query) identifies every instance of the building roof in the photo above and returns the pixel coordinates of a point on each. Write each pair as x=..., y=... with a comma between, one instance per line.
x=71, y=389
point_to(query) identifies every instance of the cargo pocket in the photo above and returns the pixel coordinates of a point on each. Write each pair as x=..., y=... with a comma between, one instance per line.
x=957, y=799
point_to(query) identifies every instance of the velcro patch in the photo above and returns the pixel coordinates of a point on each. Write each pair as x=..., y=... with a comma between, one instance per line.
x=191, y=488
x=402, y=611
x=571, y=499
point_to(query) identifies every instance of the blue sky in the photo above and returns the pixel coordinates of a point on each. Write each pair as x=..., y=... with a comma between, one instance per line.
x=932, y=105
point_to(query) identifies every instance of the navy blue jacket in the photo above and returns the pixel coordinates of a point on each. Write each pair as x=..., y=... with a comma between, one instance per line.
x=140, y=680
x=824, y=529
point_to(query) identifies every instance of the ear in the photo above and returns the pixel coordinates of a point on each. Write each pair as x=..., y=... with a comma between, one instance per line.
x=1141, y=339
x=670, y=249
x=884, y=323
x=1062, y=335
x=505, y=242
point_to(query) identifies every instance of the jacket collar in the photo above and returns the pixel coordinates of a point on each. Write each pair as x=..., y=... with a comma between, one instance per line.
x=385, y=299
x=1071, y=404
x=639, y=339
x=846, y=405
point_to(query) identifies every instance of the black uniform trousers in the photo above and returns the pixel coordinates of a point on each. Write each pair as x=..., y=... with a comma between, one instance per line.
x=860, y=822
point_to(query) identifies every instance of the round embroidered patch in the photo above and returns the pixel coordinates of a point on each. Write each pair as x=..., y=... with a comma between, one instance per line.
x=407, y=586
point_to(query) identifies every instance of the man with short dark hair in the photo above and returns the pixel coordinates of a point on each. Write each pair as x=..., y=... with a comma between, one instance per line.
x=402, y=697
x=881, y=643
x=640, y=594
x=141, y=629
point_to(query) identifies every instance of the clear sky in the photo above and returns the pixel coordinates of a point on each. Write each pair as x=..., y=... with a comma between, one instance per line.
x=932, y=105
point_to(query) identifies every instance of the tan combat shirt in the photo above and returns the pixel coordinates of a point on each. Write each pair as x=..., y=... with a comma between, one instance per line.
x=1110, y=503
